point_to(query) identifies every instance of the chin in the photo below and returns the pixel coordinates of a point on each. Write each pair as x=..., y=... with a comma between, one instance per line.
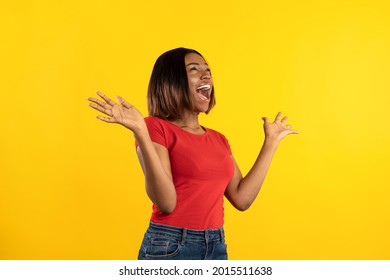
x=201, y=109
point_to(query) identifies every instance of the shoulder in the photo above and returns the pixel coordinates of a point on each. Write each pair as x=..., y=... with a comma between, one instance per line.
x=160, y=126
x=153, y=120
x=217, y=134
x=156, y=123
x=220, y=138
x=159, y=131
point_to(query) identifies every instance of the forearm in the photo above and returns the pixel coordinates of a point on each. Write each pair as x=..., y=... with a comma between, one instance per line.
x=241, y=192
x=250, y=185
x=159, y=184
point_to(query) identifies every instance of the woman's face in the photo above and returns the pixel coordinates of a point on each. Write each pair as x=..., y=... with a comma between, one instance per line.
x=200, y=81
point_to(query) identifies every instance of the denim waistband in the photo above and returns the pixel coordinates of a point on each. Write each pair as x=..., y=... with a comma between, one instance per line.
x=184, y=234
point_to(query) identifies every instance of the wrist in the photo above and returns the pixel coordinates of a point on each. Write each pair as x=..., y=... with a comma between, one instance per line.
x=141, y=132
x=271, y=142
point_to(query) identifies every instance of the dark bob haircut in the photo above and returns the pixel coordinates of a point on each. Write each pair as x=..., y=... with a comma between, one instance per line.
x=168, y=91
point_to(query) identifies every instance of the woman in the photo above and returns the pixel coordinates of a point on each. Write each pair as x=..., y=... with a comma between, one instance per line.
x=188, y=168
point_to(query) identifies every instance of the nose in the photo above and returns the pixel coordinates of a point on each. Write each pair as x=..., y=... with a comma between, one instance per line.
x=206, y=75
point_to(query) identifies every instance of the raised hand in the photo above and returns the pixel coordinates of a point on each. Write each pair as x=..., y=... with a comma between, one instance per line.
x=122, y=113
x=278, y=129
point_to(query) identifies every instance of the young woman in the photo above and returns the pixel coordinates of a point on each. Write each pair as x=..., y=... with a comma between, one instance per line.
x=188, y=168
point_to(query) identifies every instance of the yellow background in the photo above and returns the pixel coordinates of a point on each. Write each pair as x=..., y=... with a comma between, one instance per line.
x=71, y=186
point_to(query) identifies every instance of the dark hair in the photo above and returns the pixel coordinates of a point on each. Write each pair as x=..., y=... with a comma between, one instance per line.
x=168, y=91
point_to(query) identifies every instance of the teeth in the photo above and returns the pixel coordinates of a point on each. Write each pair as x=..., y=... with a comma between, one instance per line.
x=204, y=87
x=204, y=94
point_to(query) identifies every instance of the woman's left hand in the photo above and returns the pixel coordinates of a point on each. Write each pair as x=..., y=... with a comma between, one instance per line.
x=277, y=130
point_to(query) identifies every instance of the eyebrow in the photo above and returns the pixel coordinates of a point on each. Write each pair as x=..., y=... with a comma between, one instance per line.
x=194, y=63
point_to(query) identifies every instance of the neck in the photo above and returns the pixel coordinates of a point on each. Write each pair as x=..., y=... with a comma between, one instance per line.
x=190, y=122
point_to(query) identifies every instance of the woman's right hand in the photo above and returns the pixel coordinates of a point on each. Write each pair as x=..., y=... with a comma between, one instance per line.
x=122, y=113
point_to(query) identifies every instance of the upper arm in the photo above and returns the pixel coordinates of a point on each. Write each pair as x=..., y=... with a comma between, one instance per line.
x=163, y=155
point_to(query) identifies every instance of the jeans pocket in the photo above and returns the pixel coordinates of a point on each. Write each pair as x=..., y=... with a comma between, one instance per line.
x=162, y=248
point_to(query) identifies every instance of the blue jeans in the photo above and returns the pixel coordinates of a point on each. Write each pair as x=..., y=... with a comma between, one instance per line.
x=163, y=242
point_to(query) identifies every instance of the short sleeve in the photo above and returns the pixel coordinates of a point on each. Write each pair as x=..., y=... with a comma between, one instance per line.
x=156, y=131
x=226, y=144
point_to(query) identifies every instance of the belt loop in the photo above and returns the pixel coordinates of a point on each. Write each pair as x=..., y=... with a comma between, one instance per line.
x=221, y=233
x=184, y=235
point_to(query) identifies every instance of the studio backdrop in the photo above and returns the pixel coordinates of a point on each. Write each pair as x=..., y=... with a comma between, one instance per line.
x=71, y=186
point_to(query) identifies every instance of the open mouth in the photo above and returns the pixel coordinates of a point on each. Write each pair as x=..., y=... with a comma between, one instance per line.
x=204, y=92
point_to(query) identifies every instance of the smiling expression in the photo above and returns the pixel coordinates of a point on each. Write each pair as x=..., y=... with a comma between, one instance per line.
x=200, y=81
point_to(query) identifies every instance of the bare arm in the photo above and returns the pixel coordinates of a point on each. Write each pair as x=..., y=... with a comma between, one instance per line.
x=242, y=191
x=154, y=158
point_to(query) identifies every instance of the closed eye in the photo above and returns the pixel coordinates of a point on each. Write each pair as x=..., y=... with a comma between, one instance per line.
x=195, y=67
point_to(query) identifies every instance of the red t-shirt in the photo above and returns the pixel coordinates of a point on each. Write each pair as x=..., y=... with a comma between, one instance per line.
x=201, y=168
